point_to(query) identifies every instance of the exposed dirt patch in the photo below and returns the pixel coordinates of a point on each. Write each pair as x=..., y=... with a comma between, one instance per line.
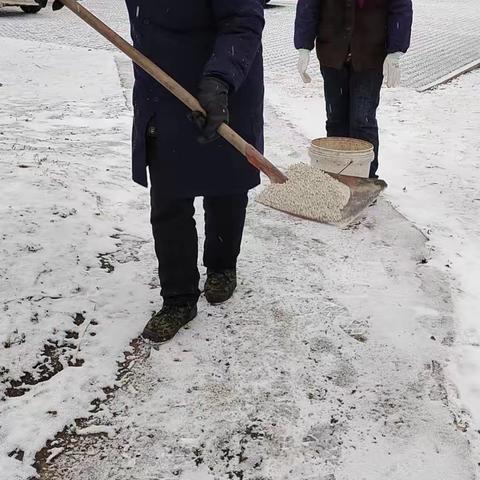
x=69, y=440
x=54, y=356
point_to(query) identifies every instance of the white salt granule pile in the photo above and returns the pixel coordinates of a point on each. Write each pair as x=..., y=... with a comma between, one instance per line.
x=309, y=193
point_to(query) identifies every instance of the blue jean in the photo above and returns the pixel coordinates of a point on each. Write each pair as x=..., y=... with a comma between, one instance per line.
x=352, y=99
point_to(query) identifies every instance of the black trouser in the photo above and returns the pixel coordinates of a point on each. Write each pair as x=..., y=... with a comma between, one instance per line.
x=176, y=240
x=352, y=99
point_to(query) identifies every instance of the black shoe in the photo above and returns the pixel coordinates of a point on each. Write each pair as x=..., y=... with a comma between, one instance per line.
x=165, y=324
x=220, y=286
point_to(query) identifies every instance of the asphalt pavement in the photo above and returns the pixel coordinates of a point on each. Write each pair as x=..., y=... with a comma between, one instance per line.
x=446, y=37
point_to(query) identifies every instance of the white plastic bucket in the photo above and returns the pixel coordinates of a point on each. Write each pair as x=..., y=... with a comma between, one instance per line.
x=345, y=156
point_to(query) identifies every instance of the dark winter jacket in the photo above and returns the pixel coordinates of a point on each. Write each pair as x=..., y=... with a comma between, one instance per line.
x=189, y=39
x=340, y=27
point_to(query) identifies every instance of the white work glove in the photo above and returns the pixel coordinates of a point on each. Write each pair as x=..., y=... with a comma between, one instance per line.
x=302, y=65
x=392, y=70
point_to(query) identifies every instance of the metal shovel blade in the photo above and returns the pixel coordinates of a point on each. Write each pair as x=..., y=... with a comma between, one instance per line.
x=363, y=192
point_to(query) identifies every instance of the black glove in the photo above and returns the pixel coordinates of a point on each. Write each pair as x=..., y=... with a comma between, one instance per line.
x=213, y=97
x=57, y=4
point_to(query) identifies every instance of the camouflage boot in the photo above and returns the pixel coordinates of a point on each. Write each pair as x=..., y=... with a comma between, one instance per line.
x=220, y=286
x=165, y=324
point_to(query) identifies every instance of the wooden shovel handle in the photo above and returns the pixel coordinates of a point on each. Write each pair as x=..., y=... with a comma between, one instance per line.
x=250, y=153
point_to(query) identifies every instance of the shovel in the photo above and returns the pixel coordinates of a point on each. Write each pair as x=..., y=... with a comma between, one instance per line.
x=363, y=191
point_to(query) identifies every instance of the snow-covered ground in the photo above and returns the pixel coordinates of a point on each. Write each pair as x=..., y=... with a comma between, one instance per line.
x=69, y=215
x=329, y=363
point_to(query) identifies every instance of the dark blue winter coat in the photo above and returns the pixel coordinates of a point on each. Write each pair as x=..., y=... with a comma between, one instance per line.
x=339, y=27
x=188, y=39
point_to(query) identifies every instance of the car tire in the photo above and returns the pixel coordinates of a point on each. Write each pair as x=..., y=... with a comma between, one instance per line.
x=30, y=9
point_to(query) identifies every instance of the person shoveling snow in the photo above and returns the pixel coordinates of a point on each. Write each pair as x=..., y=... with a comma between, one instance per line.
x=185, y=154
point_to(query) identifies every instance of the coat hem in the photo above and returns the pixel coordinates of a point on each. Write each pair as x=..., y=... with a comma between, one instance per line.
x=203, y=192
